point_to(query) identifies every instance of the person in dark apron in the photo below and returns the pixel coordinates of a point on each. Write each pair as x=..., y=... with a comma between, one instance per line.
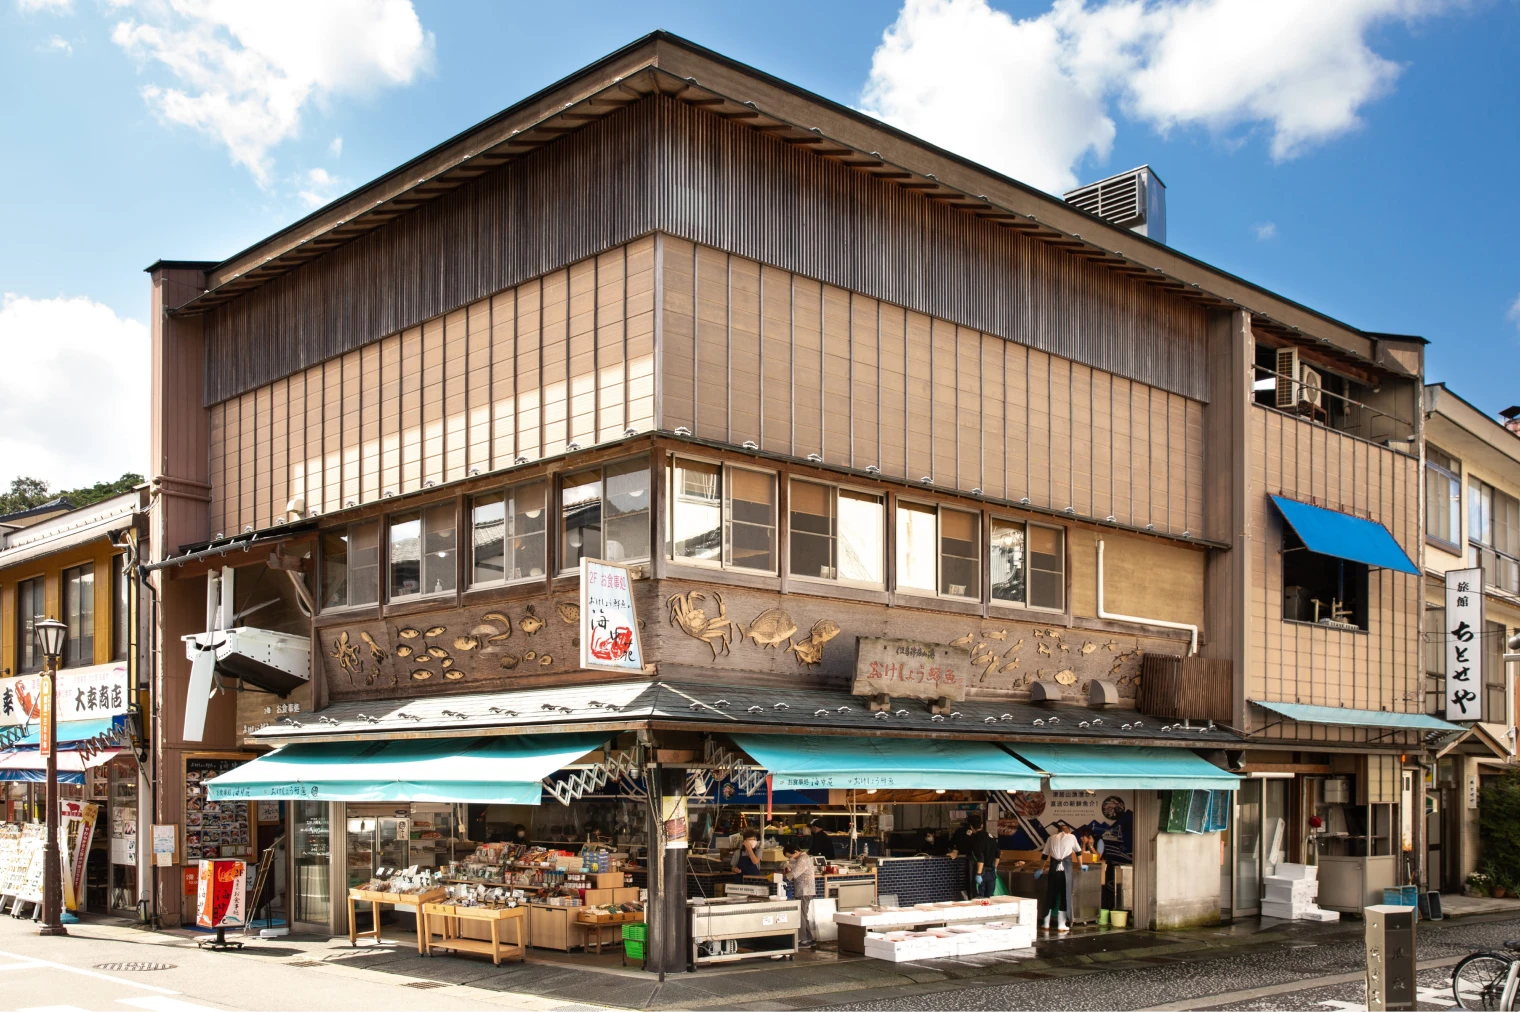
x=1060, y=877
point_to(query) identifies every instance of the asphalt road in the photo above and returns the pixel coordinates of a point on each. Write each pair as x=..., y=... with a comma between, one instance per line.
x=1294, y=975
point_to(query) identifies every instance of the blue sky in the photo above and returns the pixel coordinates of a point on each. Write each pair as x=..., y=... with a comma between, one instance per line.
x=1366, y=170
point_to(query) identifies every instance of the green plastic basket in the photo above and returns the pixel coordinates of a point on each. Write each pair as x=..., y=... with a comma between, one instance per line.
x=635, y=932
x=633, y=949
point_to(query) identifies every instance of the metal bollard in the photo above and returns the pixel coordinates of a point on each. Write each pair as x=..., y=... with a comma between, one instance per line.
x=1390, y=958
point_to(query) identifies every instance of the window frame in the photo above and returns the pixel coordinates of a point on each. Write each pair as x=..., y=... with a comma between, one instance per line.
x=507, y=493
x=26, y=638
x=834, y=489
x=994, y=518
x=979, y=597
x=381, y=565
x=65, y=579
x=557, y=498
x=1451, y=471
x=420, y=513
x=725, y=518
x=121, y=609
x=1363, y=574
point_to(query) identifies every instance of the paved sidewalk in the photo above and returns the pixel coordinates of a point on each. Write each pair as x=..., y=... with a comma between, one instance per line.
x=1128, y=969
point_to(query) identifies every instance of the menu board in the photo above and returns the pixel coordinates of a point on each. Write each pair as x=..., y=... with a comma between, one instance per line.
x=213, y=828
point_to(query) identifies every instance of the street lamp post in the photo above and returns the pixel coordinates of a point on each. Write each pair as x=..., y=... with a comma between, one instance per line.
x=50, y=633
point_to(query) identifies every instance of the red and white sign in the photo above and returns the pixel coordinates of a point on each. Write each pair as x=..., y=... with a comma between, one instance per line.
x=609, y=621
x=45, y=716
x=221, y=887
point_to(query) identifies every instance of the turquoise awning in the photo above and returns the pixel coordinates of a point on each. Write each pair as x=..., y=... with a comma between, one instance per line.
x=1111, y=767
x=1343, y=536
x=1306, y=713
x=490, y=770
x=799, y=762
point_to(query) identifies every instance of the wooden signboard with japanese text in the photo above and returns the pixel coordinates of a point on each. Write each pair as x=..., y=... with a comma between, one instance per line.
x=910, y=669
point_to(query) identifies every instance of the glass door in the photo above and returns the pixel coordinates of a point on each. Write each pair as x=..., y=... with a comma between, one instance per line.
x=311, y=860
x=391, y=848
x=1248, y=847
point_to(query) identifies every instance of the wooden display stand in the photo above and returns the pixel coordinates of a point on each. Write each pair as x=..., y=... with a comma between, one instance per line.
x=376, y=900
x=442, y=922
x=604, y=930
x=555, y=927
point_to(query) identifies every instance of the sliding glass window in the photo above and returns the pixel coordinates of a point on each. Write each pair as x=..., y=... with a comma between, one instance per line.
x=508, y=535
x=351, y=566
x=836, y=534
x=422, y=547
x=1028, y=564
x=723, y=515
x=605, y=514
x=79, y=615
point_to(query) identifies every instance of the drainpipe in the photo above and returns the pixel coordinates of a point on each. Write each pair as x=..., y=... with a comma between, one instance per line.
x=1192, y=630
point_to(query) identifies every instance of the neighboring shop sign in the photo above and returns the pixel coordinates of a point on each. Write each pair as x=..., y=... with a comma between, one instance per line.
x=257, y=709
x=1034, y=814
x=675, y=819
x=1464, y=646
x=219, y=892
x=89, y=694
x=609, y=619
x=213, y=828
x=910, y=669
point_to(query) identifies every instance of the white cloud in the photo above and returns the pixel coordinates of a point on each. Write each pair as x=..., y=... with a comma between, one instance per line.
x=77, y=412
x=1514, y=311
x=53, y=6
x=1034, y=97
x=336, y=147
x=1266, y=230
x=244, y=72
x=56, y=44
x=318, y=187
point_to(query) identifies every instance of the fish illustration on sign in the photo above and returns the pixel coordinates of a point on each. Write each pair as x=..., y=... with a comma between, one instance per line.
x=530, y=623
x=769, y=629
x=809, y=650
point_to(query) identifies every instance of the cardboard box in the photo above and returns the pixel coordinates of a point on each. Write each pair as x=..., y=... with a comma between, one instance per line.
x=609, y=879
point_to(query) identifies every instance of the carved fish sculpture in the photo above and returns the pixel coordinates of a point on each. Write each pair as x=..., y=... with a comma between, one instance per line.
x=569, y=611
x=375, y=650
x=770, y=628
x=964, y=641
x=809, y=650
x=530, y=623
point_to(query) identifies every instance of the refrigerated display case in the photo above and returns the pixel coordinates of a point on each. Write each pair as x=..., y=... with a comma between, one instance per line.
x=376, y=842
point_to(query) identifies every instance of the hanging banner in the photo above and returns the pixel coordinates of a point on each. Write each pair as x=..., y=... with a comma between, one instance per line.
x=674, y=815
x=45, y=716
x=77, y=832
x=1464, y=644
x=94, y=693
x=1028, y=818
x=220, y=886
x=609, y=621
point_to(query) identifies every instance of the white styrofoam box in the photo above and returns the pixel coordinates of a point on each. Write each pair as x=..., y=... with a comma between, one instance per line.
x=821, y=916
x=912, y=947
x=1303, y=871
x=1005, y=907
x=1317, y=914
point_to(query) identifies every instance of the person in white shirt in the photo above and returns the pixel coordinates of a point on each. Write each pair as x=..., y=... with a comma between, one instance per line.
x=1058, y=851
x=800, y=874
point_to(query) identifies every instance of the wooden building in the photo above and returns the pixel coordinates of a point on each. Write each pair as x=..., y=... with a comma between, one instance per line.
x=815, y=381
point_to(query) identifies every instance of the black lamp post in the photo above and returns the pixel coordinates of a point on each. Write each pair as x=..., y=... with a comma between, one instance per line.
x=50, y=633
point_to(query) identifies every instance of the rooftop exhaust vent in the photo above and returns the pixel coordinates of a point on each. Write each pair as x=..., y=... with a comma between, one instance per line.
x=1135, y=200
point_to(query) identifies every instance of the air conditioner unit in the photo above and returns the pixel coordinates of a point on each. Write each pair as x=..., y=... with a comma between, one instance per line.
x=1287, y=375
x=1309, y=386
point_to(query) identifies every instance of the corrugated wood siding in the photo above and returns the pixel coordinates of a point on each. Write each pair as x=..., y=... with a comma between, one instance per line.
x=458, y=392
x=1299, y=662
x=968, y=410
x=661, y=165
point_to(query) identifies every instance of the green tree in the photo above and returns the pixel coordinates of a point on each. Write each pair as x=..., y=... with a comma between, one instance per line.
x=1499, y=829
x=27, y=493
x=84, y=496
x=24, y=494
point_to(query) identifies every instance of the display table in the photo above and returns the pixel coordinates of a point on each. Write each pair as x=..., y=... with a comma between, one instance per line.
x=854, y=925
x=717, y=922
x=441, y=930
x=401, y=901
x=556, y=927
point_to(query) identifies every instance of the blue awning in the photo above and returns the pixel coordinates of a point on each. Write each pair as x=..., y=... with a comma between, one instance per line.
x=1111, y=767
x=1343, y=536
x=491, y=770
x=809, y=761
x=1306, y=713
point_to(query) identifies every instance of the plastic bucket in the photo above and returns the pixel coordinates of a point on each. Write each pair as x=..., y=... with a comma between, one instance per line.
x=1119, y=918
x=1102, y=918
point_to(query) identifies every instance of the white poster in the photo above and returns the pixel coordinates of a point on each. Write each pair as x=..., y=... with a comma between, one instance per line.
x=1464, y=644
x=609, y=621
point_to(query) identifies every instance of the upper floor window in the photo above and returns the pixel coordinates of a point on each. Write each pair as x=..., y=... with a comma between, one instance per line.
x=724, y=515
x=1443, y=497
x=351, y=566
x=836, y=534
x=1493, y=534
x=79, y=615
x=938, y=550
x=1322, y=589
x=507, y=541
x=605, y=514
x=422, y=559
x=29, y=608
x=1028, y=564
x=120, y=639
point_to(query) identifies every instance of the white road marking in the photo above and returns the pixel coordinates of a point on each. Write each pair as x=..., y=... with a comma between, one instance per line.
x=53, y=1008
x=158, y=1003
x=86, y=973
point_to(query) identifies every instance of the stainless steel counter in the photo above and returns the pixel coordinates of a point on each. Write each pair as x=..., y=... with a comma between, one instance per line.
x=719, y=926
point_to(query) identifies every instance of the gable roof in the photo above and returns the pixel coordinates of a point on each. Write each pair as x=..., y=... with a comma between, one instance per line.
x=662, y=63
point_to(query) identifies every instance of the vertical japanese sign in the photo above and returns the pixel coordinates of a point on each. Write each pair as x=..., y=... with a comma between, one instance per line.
x=1464, y=644
x=45, y=716
x=78, y=825
x=609, y=621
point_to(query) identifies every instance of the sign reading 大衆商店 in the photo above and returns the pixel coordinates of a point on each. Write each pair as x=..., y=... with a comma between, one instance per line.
x=1464, y=644
x=910, y=669
x=609, y=621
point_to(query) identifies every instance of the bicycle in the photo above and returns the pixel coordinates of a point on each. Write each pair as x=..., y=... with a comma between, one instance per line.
x=1488, y=980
